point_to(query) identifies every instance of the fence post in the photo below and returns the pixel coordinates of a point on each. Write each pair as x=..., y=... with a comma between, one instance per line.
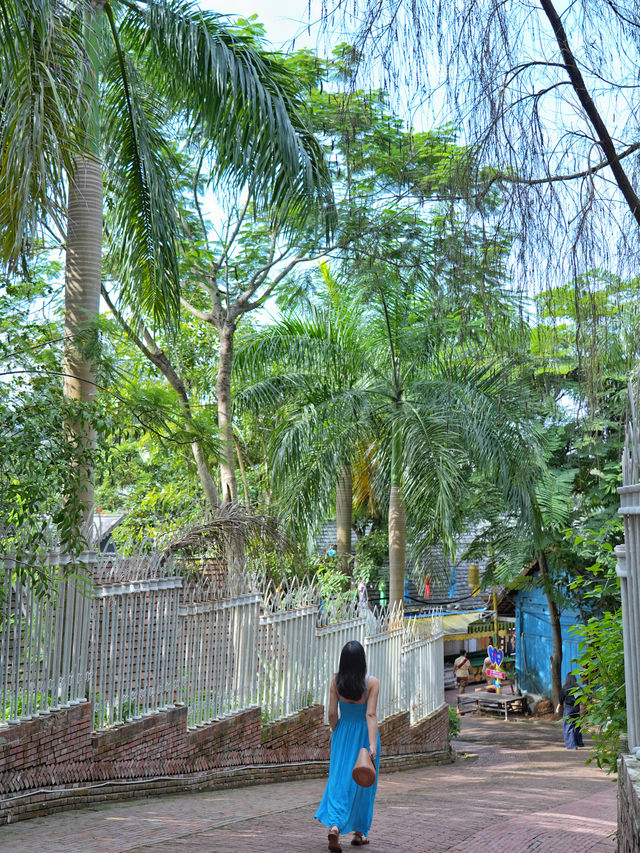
x=629, y=562
x=629, y=573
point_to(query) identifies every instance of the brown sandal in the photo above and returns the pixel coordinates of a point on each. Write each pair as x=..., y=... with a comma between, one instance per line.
x=334, y=840
x=359, y=839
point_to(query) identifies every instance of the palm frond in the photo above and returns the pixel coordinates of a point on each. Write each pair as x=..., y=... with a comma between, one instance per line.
x=554, y=494
x=238, y=100
x=318, y=344
x=141, y=203
x=43, y=62
x=307, y=449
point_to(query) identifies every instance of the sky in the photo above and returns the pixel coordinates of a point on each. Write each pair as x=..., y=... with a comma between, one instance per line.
x=284, y=20
x=291, y=24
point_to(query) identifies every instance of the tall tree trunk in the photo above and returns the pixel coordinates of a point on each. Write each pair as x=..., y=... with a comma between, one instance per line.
x=206, y=480
x=267, y=473
x=556, y=630
x=344, y=509
x=225, y=426
x=83, y=263
x=82, y=302
x=397, y=523
x=243, y=472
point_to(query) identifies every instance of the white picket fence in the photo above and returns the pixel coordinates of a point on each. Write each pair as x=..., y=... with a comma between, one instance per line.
x=43, y=639
x=286, y=665
x=628, y=568
x=134, y=641
x=134, y=637
x=384, y=660
x=218, y=657
x=422, y=672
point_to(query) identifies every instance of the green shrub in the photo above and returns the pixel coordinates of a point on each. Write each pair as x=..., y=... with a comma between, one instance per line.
x=454, y=722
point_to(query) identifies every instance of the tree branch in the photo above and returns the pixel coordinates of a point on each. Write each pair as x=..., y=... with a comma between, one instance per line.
x=243, y=306
x=551, y=179
x=580, y=88
x=196, y=178
x=148, y=348
x=205, y=316
x=230, y=239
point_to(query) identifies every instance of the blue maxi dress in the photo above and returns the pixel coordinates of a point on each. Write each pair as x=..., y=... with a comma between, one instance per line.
x=345, y=804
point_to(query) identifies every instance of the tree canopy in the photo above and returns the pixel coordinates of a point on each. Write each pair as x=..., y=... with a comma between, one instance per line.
x=544, y=94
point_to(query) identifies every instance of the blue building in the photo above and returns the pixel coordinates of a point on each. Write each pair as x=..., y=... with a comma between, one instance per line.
x=534, y=643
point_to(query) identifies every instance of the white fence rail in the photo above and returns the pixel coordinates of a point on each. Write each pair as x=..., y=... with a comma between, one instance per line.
x=629, y=565
x=139, y=638
x=43, y=640
x=218, y=659
x=133, y=648
x=286, y=677
x=423, y=677
x=384, y=661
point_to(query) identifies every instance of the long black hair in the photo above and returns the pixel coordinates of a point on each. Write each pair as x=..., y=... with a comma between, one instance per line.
x=566, y=694
x=351, y=671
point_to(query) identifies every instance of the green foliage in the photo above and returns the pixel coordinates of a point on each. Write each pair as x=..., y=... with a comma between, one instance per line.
x=333, y=583
x=600, y=669
x=602, y=691
x=594, y=587
x=42, y=459
x=454, y=723
x=282, y=566
x=372, y=551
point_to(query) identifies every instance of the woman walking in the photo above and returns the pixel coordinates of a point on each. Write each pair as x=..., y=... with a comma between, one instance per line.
x=570, y=714
x=345, y=806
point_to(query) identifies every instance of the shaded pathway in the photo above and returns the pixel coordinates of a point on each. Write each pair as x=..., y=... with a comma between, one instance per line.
x=516, y=789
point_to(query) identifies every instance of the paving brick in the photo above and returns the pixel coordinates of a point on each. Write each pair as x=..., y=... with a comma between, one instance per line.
x=514, y=790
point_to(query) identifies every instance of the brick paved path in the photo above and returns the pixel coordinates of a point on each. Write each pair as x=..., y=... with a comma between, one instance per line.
x=517, y=789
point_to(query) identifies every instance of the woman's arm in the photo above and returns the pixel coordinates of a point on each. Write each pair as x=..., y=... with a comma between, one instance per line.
x=372, y=715
x=333, y=704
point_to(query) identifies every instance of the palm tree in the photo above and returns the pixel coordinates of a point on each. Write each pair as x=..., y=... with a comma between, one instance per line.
x=88, y=96
x=376, y=370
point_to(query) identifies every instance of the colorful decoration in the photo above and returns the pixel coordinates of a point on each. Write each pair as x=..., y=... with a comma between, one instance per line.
x=496, y=656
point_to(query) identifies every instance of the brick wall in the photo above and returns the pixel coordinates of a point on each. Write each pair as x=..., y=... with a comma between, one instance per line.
x=58, y=737
x=151, y=738
x=398, y=737
x=59, y=752
x=628, y=804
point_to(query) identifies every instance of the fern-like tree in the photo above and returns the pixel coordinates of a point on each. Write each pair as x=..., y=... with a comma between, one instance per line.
x=581, y=348
x=380, y=373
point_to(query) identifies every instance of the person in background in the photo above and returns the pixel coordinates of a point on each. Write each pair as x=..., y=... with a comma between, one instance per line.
x=486, y=664
x=510, y=646
x=570, y=714
x=362, y=594
x=346, y=806
x=462, y=670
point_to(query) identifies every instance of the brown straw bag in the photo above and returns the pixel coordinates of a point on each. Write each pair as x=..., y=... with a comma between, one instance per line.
x=364, y=771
